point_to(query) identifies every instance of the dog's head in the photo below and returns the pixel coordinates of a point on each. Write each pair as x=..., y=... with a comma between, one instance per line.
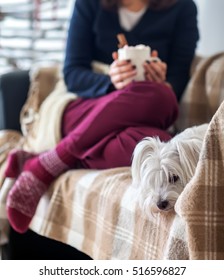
x=161, y=170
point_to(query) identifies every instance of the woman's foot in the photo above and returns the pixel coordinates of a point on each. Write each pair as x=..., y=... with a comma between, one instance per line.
x=23, y=199
x=38, y=172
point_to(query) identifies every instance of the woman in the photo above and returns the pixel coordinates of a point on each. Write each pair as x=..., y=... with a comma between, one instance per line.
x=168, y=26
x=113, y=113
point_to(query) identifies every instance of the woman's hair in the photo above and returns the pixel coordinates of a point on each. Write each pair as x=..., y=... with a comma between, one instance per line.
x=153, y=4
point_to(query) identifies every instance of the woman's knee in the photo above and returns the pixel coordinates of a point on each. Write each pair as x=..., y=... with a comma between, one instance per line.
x=152, y=94
x=119, y=150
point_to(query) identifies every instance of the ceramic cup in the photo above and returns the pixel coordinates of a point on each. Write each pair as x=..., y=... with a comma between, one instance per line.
x=138, y=55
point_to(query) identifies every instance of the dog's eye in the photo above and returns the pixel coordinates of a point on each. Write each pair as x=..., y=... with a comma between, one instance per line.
x=173, y=178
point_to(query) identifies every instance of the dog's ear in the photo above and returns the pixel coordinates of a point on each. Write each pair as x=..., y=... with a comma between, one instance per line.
x=188, y=151
x=143, y=151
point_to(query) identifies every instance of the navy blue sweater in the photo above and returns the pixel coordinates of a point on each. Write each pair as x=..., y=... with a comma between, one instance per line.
x=92, y=35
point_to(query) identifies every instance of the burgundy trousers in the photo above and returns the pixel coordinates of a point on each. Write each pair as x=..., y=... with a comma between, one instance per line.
x=103, y=132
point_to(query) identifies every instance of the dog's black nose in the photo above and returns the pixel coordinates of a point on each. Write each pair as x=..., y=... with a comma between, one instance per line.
x=162, y=205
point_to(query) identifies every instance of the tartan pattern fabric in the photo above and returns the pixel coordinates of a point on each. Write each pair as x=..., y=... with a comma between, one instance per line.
x=96, y=211
x=204, y=92
x=201, y=203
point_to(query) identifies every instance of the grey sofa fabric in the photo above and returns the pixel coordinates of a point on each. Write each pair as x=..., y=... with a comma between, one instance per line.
x=14, y=88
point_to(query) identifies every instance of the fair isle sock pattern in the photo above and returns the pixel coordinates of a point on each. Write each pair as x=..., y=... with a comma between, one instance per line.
x=37, y=175
x=26, y=194
x=52, y=163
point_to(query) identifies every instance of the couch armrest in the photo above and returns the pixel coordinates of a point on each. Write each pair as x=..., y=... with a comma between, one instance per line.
x=14, y=88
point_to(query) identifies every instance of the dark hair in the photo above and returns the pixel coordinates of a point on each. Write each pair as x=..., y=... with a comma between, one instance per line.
x=153, y=4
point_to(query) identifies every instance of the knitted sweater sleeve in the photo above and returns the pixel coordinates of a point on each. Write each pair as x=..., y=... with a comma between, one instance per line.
x=183, y=47
x=78, y=74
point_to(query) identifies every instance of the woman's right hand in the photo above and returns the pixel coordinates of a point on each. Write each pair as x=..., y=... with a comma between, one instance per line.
x=121, y=72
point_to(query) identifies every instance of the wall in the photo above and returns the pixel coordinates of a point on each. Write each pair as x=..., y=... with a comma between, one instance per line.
x=211, y=22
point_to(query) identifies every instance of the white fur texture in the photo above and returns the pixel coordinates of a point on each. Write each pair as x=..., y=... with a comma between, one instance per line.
x=161, y=170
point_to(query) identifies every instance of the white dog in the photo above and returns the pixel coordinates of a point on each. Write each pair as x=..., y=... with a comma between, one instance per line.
x=161, y=170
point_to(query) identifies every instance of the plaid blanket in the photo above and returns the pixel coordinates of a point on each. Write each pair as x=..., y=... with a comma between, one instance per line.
x=91, y=210
x=97, y=212
x=204, y=92
x=8, y=140
x=201, y=203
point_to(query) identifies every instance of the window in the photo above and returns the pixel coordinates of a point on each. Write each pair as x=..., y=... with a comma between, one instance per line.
x=32, y=31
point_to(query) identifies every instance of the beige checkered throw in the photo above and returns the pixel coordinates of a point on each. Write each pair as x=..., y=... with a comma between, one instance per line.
x=97, y=213
x=201, y=203
x=204, y=92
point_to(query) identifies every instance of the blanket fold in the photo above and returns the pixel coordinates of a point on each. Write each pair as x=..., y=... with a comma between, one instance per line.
x=201, y=203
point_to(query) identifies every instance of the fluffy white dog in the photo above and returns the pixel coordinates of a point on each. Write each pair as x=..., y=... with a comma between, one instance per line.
x=161, y=170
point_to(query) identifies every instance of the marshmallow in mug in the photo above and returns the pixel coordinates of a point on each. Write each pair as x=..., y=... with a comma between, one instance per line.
x=138, y=55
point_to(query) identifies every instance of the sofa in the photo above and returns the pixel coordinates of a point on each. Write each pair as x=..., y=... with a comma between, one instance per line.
x=93, y=214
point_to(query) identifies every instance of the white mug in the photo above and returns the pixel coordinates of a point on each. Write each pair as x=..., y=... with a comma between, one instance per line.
x=138, y=55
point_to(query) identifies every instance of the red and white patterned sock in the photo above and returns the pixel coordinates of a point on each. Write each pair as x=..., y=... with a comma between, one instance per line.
x=37, y=174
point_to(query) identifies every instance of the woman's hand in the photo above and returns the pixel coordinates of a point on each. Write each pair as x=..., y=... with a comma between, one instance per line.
x=155, y=71
x=121, y=72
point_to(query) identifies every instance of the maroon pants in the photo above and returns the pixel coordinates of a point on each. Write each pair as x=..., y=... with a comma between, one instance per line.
x=103, y=132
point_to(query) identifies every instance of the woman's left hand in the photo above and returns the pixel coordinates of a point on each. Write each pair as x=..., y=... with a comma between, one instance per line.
x=155, y=71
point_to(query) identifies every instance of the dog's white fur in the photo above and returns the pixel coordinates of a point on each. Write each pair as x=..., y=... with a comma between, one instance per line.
x=161, y=170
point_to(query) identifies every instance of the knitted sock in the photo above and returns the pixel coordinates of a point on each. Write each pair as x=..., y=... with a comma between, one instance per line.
x=15, y=162
x=37, y=174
